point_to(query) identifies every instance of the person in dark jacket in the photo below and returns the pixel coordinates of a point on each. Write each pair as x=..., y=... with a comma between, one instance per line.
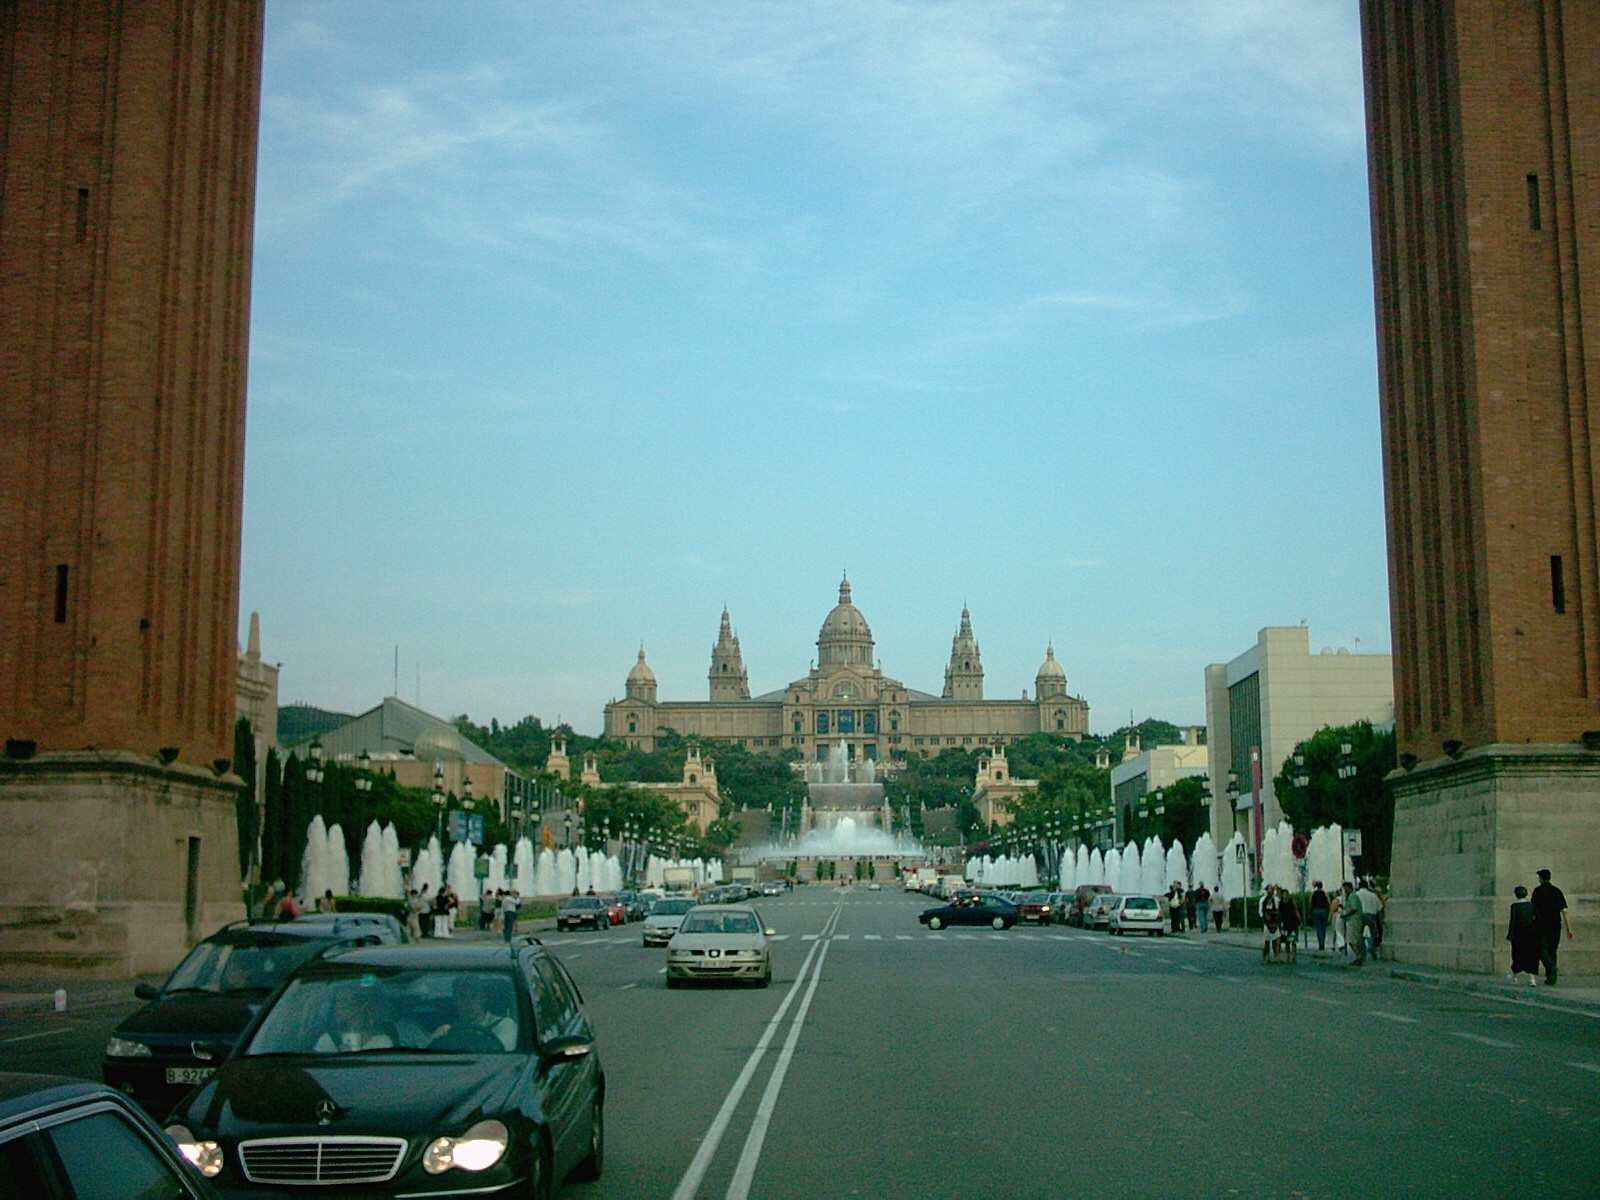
x=1551, y=905
x=1523, y=935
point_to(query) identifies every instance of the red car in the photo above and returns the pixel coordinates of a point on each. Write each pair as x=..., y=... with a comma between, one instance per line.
x=616, y=910
x=1036, y=907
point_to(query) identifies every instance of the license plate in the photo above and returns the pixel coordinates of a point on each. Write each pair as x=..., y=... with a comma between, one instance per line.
x=189, y=1074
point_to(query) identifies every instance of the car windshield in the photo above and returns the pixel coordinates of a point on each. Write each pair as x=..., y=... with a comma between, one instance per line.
x=225, y=967
x=671, y=908
x=349, y=1011
x=584, y=902
x=726, y=922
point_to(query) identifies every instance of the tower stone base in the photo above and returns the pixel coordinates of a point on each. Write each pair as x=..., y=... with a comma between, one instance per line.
x=112, y=864
x=1470, y=829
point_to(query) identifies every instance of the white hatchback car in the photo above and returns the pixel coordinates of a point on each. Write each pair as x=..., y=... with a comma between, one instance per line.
x=1137, y=914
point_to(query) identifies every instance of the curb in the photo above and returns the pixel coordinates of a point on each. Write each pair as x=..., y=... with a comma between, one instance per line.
x=1547, y=996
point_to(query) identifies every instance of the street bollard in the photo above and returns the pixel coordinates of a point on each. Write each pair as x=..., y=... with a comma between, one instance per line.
x=61, y=1000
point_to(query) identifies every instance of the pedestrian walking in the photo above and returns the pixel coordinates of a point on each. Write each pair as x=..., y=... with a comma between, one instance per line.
x=1289, y=918
x=1219, y=908
x=1371, y=905
x=1175, y=900
x=1321, y=907
x=1202, y=906
x=1523, y=934
x=1551, y=905
x=487, y=905
x=1189, y=903
x=442, y=908
x=1271, y=923
x=326, y=902
x=415, y=907
x=1350, y=913
x=510, y=901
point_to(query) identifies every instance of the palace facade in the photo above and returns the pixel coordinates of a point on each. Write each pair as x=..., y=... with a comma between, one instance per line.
x=847, y=698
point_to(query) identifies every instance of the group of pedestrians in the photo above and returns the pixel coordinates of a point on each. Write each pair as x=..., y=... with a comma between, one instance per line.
x=1537, y=922
x=440, y=907
x=1280, y=924
x=1194, y=908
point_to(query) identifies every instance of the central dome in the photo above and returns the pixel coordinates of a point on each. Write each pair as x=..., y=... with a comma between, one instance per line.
x=845, y=637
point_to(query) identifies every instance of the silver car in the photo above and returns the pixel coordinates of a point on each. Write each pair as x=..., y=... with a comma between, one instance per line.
x=1137, y=914
x=720, y=941
x=664, y=919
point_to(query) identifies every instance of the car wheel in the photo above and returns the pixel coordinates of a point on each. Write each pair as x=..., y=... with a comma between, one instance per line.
x=593, y=1162
x=766, y=978
x=935, y=923
x=998, y=922
x=673, y=981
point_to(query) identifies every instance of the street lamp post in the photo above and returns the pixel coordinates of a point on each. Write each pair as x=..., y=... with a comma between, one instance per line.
x=1347, y=774
x=438, y=804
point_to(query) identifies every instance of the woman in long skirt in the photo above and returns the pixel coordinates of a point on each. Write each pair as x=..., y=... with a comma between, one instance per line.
x=1523, y=935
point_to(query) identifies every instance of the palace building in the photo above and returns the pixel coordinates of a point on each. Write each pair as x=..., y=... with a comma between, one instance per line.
x=846, y=698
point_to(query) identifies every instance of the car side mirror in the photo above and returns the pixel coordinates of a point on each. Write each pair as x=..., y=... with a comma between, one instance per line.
x=209, y=1051
x=146, y=991
x=770, y=932
x=564, y=1050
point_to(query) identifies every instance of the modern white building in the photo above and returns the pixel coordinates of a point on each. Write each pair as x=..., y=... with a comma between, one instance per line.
x=1273, y=696
x=1144, y=771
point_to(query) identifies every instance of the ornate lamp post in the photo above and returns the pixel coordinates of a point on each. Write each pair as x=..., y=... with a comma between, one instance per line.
x=438, y=803
x=1347, y=774
x=364, y=773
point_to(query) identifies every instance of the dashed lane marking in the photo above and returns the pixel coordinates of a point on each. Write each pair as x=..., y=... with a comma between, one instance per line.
x=841, y=937
x=936, y=937
x=1484, y=1041
x=1191, y=970
x=1595, y=1067
x=28, y=1037
x=902, y=937
x=626, y=986
x=1328, y=1000
x=871, y=937
x=809, y=937
x=1389, y=1016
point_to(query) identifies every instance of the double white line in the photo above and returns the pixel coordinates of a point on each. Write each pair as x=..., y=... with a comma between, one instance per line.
x=745, y=1171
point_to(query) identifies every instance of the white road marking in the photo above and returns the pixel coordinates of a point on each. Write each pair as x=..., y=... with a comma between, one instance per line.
x=1192, y=970
x=1389, y=1016
x=780, y=937
x=1325, y=1000
x=1484, y=1041
x=841, y=937
x=689, y=1185
x=809, y=937
x=1595, y=1067
x=902, y=937
x=661, y=971
x=936, y=937
x=870, y=937
x=626, y=986
x=28, y=1037
x=744, y=1172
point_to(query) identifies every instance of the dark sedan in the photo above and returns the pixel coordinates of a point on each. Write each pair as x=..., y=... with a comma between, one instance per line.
x=973, y=910
x=446, y=1070
x=579, y=911
x=207, y=1001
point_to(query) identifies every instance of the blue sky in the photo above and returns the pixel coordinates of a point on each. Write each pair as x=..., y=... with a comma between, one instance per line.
x=572, y=323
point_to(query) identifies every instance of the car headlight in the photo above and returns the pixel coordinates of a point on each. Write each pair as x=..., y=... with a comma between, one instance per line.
x=123, y=1048
x=204, y=1156
x=475, y=1150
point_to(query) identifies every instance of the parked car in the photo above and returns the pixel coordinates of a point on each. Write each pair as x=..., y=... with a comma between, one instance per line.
x=388, y=930
x=664, y=919
x=576, y=912
x=1098, y=914
x=65, y=1138
x=1136, y=914
x=1083, y=896
x=632, y=904
x=1060, y=902
x=720, y=941
x=209, y=998
x=1035, y=907
x=976, y=910
x=419, y=1070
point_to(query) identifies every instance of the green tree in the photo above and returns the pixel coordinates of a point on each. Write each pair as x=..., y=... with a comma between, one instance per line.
x=244, y=766
x=1363, y=802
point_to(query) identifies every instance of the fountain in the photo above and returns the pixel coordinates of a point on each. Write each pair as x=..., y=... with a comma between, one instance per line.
x=395, y=884
x=1177, y=863
x=1153, y=877
x=314, y=860
x=1203, y=867
x=338, y=881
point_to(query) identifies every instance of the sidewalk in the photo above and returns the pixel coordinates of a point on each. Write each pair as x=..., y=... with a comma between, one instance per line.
x=1577, y=993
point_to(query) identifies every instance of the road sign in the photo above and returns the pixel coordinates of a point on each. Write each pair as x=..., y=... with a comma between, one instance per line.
x=1238, y=853
x=480, y=868
x=1352, y=842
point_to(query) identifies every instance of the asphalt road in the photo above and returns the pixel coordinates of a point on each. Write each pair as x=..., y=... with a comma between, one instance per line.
x=886, y=1061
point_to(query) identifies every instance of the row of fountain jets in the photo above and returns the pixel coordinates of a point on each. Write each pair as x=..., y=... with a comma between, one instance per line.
x=1153, y=868
x=325, y=867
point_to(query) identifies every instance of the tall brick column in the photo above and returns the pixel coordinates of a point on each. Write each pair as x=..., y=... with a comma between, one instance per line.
x=1484, y=152
x=128, y=147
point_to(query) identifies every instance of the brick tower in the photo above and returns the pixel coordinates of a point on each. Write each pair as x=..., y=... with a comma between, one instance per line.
x=1484, y=151
x=128, y=144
